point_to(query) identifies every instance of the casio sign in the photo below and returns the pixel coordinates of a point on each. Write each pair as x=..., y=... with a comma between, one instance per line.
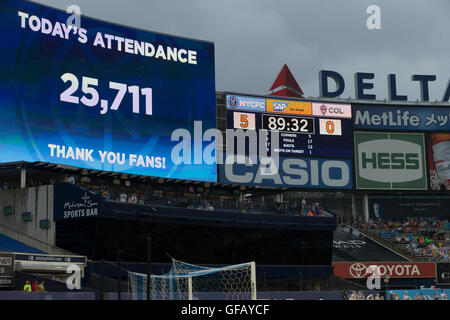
x=292, y=172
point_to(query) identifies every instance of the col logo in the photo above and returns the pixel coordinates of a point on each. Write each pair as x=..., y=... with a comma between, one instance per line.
x=332, y=110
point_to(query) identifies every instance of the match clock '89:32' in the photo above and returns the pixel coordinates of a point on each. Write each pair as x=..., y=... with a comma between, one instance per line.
x=288, y=124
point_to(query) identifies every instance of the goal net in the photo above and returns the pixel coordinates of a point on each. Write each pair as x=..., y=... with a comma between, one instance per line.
x=186, y=281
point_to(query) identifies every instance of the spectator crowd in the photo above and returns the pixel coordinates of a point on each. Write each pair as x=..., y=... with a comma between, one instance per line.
x=191, y=196
x=418, y=296
x=424, y=238
x=360, y=295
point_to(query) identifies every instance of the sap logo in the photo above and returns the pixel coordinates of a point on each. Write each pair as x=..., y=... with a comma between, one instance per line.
x=280, y=106
x=390, y=160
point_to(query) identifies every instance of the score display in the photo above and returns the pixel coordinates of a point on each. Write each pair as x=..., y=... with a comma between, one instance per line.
x=288, y=124
x=304, y=128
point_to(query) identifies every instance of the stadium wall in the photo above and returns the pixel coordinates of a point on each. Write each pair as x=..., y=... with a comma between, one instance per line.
x=38, y=202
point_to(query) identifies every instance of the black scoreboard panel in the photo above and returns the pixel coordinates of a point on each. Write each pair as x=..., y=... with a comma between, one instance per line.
x=7, y=270
x=318, y=135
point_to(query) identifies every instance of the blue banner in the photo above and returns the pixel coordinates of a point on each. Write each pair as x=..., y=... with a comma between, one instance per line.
x=289, y=172
x=401, y=118
x=102, y=96
x=246, y=103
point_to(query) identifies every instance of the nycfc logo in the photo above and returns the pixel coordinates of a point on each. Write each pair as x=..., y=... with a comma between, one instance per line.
x=358, y=270
x=233, y=102
x=323, y=109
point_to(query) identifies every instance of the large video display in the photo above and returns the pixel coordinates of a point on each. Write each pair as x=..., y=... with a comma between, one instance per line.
x=296, y=143
x=304, y=128
x=102, y=96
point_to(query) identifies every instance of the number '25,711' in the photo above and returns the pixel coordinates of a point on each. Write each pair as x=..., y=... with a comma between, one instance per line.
x=91, y=96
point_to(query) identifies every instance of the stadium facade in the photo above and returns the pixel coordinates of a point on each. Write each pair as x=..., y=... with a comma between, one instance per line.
x=96, y=160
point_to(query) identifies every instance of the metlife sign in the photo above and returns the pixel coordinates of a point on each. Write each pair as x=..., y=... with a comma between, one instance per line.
x=401, y=118
x=390, y=161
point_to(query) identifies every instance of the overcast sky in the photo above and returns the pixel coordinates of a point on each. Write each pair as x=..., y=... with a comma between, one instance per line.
x=254, y=38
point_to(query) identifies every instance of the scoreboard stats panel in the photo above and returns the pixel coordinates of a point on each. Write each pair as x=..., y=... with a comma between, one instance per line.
x=304, y=128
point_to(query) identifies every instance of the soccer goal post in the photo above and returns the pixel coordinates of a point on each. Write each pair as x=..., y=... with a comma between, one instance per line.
x=193, y=282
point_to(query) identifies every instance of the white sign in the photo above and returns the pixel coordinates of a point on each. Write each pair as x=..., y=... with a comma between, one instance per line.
x=330, y=127
x=332, y=110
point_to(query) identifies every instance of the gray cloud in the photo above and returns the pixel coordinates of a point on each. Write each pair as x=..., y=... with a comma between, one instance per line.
x=254, y=38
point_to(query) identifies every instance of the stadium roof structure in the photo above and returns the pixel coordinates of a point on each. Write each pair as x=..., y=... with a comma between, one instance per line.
x=72, y=170
x=285, y=85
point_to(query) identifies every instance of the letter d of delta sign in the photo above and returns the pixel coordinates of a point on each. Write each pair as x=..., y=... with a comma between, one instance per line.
x=390, y=161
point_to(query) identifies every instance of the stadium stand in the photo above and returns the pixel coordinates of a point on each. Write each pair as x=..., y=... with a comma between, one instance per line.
x=351, y=245
x=425, y=239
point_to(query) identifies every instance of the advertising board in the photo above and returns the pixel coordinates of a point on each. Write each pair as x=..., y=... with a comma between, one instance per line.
x=360, y=270
x=73, y=202
x=390, y=161
x=289, y=172
x=401, y=118
x=439, y=161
